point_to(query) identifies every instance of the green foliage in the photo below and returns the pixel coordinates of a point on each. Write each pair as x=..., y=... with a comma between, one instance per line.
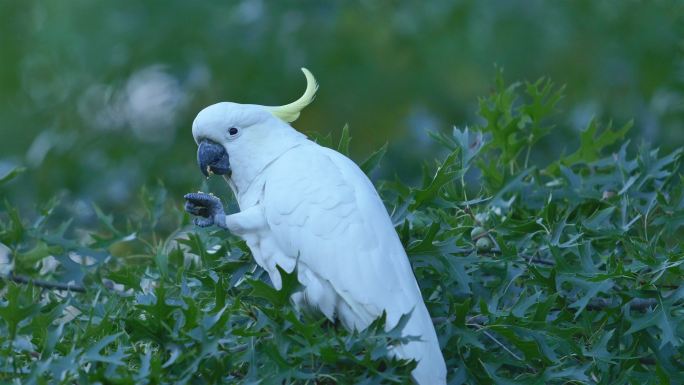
x=568, y=273
x=515, y=126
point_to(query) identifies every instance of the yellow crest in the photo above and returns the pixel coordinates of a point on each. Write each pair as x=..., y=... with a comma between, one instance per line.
x=290, y=112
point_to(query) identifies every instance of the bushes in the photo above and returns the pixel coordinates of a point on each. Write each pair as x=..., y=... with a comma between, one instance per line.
x=569, y=272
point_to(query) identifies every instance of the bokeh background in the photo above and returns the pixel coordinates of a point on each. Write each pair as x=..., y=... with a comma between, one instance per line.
x=97, y=98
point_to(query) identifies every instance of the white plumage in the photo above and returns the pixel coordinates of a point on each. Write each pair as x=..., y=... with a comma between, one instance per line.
x=306, y=205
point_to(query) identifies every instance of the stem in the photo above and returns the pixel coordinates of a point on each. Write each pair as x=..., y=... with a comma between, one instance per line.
x=463, y=187
x=502, y=345
x=527, y=156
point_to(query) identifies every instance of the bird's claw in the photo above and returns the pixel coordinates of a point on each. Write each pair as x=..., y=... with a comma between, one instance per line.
x=204, y=206
x=203, y=222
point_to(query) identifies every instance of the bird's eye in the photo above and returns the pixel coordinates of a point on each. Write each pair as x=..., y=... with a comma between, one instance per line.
x=232, y=131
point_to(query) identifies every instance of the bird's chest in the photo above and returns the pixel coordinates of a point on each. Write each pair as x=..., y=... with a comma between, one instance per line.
x=253, y=194
x=248, y=198
x=263, y=244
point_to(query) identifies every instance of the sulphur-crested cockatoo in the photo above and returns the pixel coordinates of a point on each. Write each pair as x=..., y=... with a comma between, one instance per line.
x=307, y=206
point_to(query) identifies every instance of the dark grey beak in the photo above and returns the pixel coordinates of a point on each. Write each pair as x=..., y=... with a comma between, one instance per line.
x=212, y=158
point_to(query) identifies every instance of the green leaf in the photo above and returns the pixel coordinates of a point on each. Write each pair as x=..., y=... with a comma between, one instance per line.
x=11, y=174
x=442, y=176
x=18, y=307
x=469, y=144
x=369, y=165
x=93, y=353
x=345, y=139
x=38, y=252
x=592, y=144
x=290, y=285
x=600, y=219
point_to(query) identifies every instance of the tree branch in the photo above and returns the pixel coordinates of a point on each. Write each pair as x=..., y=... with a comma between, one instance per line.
x=45, y=284
x=540, y=261
x=637, y=304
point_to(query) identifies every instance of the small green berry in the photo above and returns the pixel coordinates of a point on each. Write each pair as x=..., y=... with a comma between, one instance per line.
x=483, y=244
x=477, y=232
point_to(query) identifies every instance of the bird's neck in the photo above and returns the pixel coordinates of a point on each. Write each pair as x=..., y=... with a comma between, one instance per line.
x=247, y=169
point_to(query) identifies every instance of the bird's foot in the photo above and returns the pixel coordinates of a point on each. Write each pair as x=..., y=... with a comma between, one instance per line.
x=207, y=208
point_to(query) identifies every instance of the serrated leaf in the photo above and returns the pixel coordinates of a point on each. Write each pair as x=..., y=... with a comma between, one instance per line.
x=93, y=354
x=469, y=144
x=592, y=143
x=442, y=176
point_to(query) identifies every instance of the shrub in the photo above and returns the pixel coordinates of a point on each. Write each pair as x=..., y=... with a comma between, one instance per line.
x=566, y=273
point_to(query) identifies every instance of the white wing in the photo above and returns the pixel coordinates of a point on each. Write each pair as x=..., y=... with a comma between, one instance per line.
x=325, y=213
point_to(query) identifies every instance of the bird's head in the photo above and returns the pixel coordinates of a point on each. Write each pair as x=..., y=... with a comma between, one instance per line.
x=239, y=140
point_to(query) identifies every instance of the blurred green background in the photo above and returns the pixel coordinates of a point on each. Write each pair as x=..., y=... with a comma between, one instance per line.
x=97, y=98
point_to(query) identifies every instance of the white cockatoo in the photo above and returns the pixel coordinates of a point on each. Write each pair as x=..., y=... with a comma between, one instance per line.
x=307, y=206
